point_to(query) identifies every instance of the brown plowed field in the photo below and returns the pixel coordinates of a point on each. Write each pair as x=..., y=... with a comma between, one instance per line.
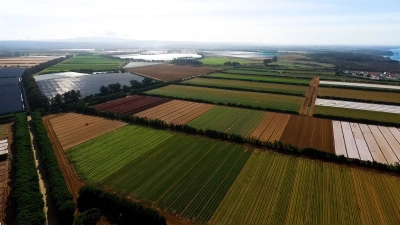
x=271, y=127
x=308, y=106
x=303, y=132
x=73, y=182
x=25, y=61
x=5, y=166
x=72, y=129
x=176, y=111
x=168, y=72
x=359, y=94
x=132, y=104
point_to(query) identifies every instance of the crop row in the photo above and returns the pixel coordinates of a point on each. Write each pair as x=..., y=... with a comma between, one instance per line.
x=252, y=99
x=175, y=172
x=279, y=189
x=265, y=79
x=248, y=85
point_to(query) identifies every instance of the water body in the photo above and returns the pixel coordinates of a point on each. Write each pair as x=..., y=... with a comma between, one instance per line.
x=241, y=54
x=396, y=56
x=160, y=57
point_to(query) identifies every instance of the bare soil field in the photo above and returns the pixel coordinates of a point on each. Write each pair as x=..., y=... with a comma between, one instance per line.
x=72, y=129
x=309, y=132
x=167, y=72
x=176, y=111
x=73, y=182
x=25, y=61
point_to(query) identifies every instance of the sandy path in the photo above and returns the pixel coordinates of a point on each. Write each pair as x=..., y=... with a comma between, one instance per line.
x=49, y=207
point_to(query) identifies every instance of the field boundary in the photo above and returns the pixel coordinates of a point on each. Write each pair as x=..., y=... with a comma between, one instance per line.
x=308, y=106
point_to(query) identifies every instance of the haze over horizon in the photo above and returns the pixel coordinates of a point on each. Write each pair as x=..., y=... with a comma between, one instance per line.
x=286, y=22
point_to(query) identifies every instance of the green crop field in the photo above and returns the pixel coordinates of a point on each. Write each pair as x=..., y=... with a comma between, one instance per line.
x=358, y=114
x=249, y=85
x=220, y=60
x=254, y=99
x=271, y=69
x=184, y=175
x=229, y=120
x=301, y=64
x=268, y=79
x=94, y=62
x=279, y=189
x=294, y=75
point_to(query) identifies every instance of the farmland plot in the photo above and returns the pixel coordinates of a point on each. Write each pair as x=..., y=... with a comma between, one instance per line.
x=229, y=120
x=284, y=80
x=72, y=129
x=279, y=189
x=248, y=85
x=168, y=72
x=271, y=127
x=309, y=132
x=176, y=111
x=366, y=85
x=268, y=101
x=358, y=114
x=359, y=94
x=358, y=105
x=367, y=142
x=184, y=175
x=131, y=104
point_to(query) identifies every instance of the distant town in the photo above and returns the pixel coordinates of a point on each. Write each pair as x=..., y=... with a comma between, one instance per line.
x=373, y=75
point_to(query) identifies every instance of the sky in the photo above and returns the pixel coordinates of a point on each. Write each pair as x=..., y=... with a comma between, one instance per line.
x=287, y=22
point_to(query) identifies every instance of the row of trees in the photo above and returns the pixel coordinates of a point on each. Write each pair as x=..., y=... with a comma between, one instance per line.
x=229, y=63
x=186, y=62
x=25, y=189
x=124, y=211
x=276, y=145
x=65, y=100
x=267, y=61
x=34, y=96
x=59, y=192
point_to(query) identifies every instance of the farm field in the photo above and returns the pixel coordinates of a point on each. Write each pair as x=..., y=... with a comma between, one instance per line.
x=73, y=129
x=279, y=189
x=25, y=62
x=175, y=172
x=176, y=111
x=268, y=101
x=358, y=105
x=285, y=80
x=301, y=64
x=365, y=85
x=367, y=142
x=229, y=120
x=168, y=72
x=132, y=104
x=94, y=62
x=5, y=143
x=219, y=61
x=358, y=114
x=301, y=75
x=390, y=97
x=248, y=85
x=271, y=127
x=4, y=130
x=309, y=132
x=283, y=71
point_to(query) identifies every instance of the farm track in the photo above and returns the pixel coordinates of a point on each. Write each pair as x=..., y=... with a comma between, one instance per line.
x=308, y=106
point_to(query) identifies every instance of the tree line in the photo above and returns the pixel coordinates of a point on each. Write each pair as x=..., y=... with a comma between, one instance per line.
x=25, y=188
x=186, y=62
x=59, y=192
x=34, y=96
x=124, y=211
